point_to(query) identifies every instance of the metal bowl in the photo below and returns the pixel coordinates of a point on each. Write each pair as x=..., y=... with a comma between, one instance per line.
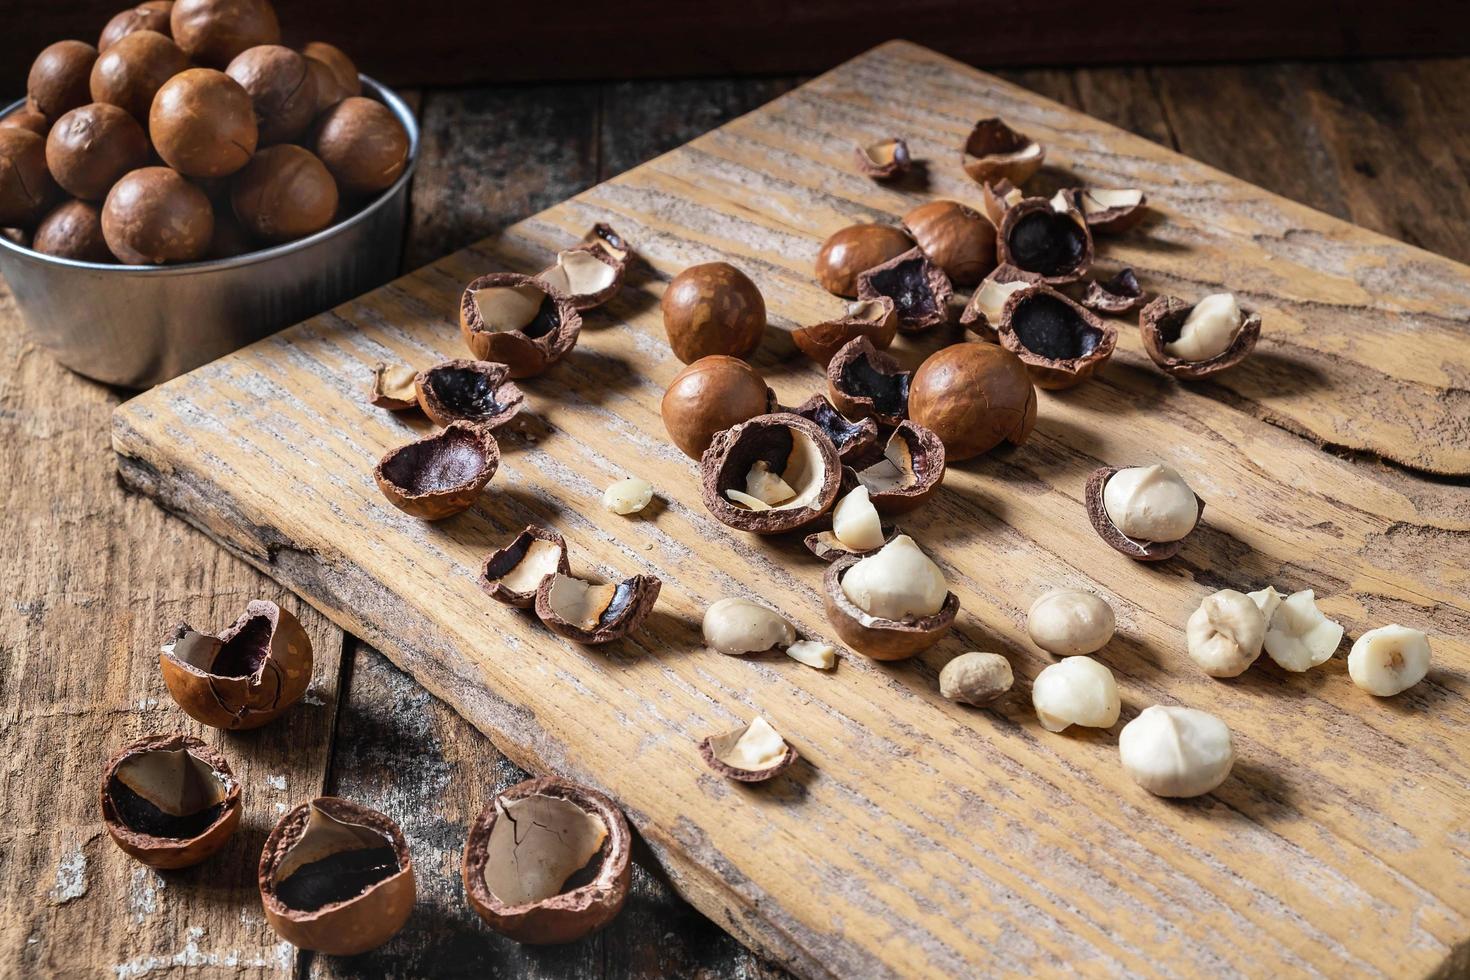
x=140, y=325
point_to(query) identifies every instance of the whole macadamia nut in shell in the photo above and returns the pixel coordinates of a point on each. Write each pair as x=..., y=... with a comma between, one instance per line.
x=131, y=71
x=93, y=145
x=59, y=79
x=203, y=123
x=154, y=216
x=851, y=251
x=344, y=72
x=284, y=193
x=28, y=119
x=709, y=396
x=150, y=16
x=73, y=231
x=213, y=32
x=363, y=145
x=281, y=88
x=973, y=396
x=713, y=308
x=1070, y=622
x=26, y=187
x=958, y=239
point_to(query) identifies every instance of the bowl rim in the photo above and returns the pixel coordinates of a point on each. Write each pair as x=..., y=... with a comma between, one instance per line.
x=378, y=90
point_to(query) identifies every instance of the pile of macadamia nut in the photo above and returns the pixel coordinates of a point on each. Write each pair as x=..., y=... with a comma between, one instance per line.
x=188, y=133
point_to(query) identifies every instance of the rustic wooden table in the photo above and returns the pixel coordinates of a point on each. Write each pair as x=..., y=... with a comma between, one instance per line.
x=94, y=576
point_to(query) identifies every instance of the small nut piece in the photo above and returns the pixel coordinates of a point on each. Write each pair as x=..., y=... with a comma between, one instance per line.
x=1145, y=512
x=393, y=387
x=919, y=289
x=855, y=249
x=1298, y=635
x=441, y=475
x=708, y=397
x=713, y=309
x=751, y=753
x=1193, y=342
x=1076, y=691
x=1176, y=752
x=628, y=496
x=1071, y=622
x=995, y=152
x=982, y=312
x=884, y=159
x=1225, y=633
x=958, y=239
x=910, y=470
x=813, y=653
x=891, y=604
x=976, y=678
x=856, y=529
x=170, y=800
x=973, y=396
x=519, y=321
x=738, y=626
x=1389, y=660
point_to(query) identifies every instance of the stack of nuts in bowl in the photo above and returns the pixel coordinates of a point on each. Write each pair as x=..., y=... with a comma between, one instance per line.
x=189, y=133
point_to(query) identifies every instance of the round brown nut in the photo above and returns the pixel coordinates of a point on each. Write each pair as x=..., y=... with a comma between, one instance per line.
x=284, y=193
x=93, y=145
x=154, y=216
x=973, y=396
x=281, y=88
x=230, y=237
x=325, y=86
x=58, y=81
x=709, y=396
x=73, y=231
x=150, y=16
x=203, y=123
x=713, y=309
x=26, y=187
x=214, y=31
x=958, y=239
x=27, y=119
x=131, y=71
x=336, y=61
x=363, y=144
x=853, y=250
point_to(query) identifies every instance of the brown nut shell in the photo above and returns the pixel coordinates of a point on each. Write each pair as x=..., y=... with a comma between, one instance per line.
x=154, y=216
x=26, y=187
x=562, y=812
x=713, y=308
x=918, y=287
x=394, y=387
x=884, y=159
x=615, y=245
x=874, y=636
x=713, y=748
x=1048, y=245
x=92, y=146
x=1116, y=539
x=530, y=325
x=708, y=397
x=589, y=275
x=284, y=193
x=856, y=442
x=787, y=445
x=875, y=319
x=336, y=877
x=1105, y=209
x=994, y=152
x=865, y=383
x=344, y=72
x=202, y=123
x=59, y=79
x=973, y=396
x=981, y=314
x=243, y=678
x=997, y=197
x=440, y=475
x=1116, y=295
x=513, y=574
x=73, y=231
x=213, y=32
x=28, y=119
x=478, y=392
x=957, y=238
x=281, y=88
x=853, y=250
x=132, y=70
x=824, y=544
x=362, y=143
x=594, y=613
x=1061, y=343
x=325, y=86
x=149, y=16
x=169, y=800
x=1159, y=324
x=906, y=475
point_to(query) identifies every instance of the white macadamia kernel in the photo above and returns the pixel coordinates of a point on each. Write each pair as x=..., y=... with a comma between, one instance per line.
x=1299, y=636
x=628, y=496
x=1076, y=691
x=737, y=626
x=813, y=653
x=976, y=677
x=897, y=582
x=1267, y=600
x=1150, y=503
x=855, y=522
x=766, y=486
x=1389, y=660
x=1176, y=752
x=1071, y=622
x=1208, y=330
x=1225, y=633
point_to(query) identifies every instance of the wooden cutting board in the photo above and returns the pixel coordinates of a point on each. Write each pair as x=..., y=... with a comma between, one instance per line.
x=918, y=836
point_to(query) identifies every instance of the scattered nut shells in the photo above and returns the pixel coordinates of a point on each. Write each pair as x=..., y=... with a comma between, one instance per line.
x=440, y=475
x=1076, y=691
x=851, y=251
x=1137, y=549
x=1061, y=344
x=908, y=473
x=1071, y=622
x=883, y=637
x=864, y=382
x=976, y=678
x=594, y=613
x=476, y=392
x=1161, y=323
x=884, y=159
x=875, y=319
x=751, y=753
x=1224, y=634
x=513, y=574
x=1049, y=245
x=994, y=152
x=1176, y=752
x=169, y=800
x=780, y=447
x=1389, y=660
x=856, y=442
x=588, y=275
x=738, y=626
x=394, y=388
x=919, y=289
x=957, y=238
x=708, y=397
x=973, y=397
x=615, y=245
x=1119, y=294
x=518, y=321
x=628, y=496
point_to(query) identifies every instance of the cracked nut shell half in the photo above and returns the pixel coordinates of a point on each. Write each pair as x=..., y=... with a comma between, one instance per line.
x=1159, y=324
x=594, y=613
x=876, y=319
x=884, y=159
x=1120, y=294
x=973, y=396
x=1103, y=524
x=478, y=392
x=1046, y=244
x=393, y=387
x=547, y=862
x=996, y=197
x=851, y=251
x=1060, y=343
x=856, y=442
x=866, y=383
x=588, y=275
x=958, y=239
x=518, y=321
x=615, y=245
x=244, y=677
x=874, y=636
x=981, y=314
x=906, y=475
x=752, y=753
x=440, y=475
x=709, y=396
x=170, y=800
x=824, y=544
x=1105, y=209
x=918, y=287
x=994, y=152
x=336, y=877
x=781, y=449
x=513, y=574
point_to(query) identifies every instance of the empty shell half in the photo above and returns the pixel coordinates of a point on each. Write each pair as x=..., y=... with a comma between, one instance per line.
x=1104, y=209
x=884, y=159
x=440, y=475
x=1061, y=343
x=519, y=321
x=981, y=314
x=1048, y=244
x=856, y=442
x=169, y=800
x=875, y=319
x=593, y=613
x=994, y=152
x=393, y=387
x=588, y=275
x=864, y=382
x=752, y=753
x=479, y=392
x=907, y=474
x=774, y=473
x=514, y=573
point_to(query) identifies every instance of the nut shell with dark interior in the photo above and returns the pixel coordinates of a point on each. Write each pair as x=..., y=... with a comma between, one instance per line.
x=281, y=88
x=243, y=678
x=440, y=475
x=92, y=146
x=875, y=636
x=1049, y=245
x=884, y=159
x=547, y=861
x=284, y=193
x=1060, y=343
x=153, y=216
x=394, y=387
x=169, y=800
x=478, y=392
x=59, y=79
x=519, y=321
x=594, y=613
x=906, y=475
x=875, y=319
x=856, y=442
x=149, y=16
x=973, y=396
x=780, y=445
x=730, y=754
x=213, y=32
x=336, y=877
x=919, y=289
x=865, y=383
x=26, y=187
x=981, y=314
x=513, y=574
x=713, y=308
x=1097, y=513
x=709, y=396
x=853, y=250
x=202, y=123
x=589, y=275
x=362, y=143
x=1119, y=294
x=605, y=237
x=130, y=72
x=73, y=231
x=994, y=152
x=343, y=70
x=957, y=238
x=1160, y=323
